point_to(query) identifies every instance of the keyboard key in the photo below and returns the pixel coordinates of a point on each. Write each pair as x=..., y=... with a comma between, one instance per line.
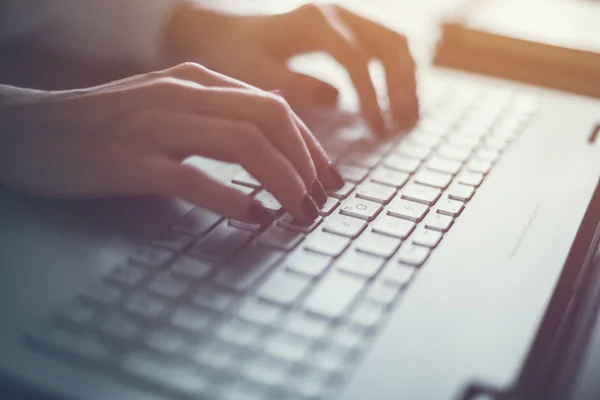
x=378, y=245
x=281, y=239
x=349, y=337
x=287, y=347
x=268, y=201
x=266, y=372
x=470, y=178
x=307, y=263
x=367, y=314
x=213, y=298
x=452, y=208
x=426, y=237
x=398, y=274
x=168, y=286
x=245, y=179
x=438, y=222
x=376, y=192
x=461, y=192
x=344, y=226
x=359, y=208
x=258, y=311
x=247, y=268
x=190, y=319
x=118, y=327
x=144, y=305
x=174, y=240
x=307, y=325
x=192, y=268
x=238, y=332
x=102, y=294
x=326, y=243
x=283, y=287
x=223, y=242
x=248, y=191
x=288, y=222
x=443, y=165
x=76, y=314
x=467, y=142
x=365, y=160
x=413, y=150
x=401, y=163
x=244, y=225
x=58, y=339
x=450, y=152
x=151, y=256
x=487, y=155
x=216, y=355
x=433, y=179
x=344, y=191
x=171, y=374
x=361, y=264
x=333, y=295
x=408, y=210
x=126, y=275
x=389, y=177
x=197, y=221
x=330, y=206
x=481, y=167
x=421, y=194
x=412, y=254
x=396, y=227
x=329, y=360
x=353, y=174
x=495, y=143
x=383, y=292
x=168, y=341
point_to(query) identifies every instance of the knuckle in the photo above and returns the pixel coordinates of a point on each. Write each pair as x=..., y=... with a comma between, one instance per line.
x=313, y=11
x=166, y=85
x=276, y=108
x=187, y=68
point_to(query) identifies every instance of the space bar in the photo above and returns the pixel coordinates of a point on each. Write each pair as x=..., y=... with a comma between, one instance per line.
x=333, y=295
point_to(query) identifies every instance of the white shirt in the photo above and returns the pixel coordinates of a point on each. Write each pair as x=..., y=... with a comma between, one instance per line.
x=97, y=30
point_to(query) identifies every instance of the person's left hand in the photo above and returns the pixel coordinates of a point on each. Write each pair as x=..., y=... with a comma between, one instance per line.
x=255, y=49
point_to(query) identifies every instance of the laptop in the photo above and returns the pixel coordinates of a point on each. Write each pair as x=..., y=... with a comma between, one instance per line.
x=457, y=262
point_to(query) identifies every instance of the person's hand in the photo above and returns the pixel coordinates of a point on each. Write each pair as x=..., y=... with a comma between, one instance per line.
x=255, y=49
x=129, y=138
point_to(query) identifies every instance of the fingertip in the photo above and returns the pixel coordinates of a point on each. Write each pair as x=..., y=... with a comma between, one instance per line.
x=258, y=214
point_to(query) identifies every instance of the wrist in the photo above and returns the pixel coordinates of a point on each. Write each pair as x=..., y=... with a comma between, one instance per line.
x=192, y=31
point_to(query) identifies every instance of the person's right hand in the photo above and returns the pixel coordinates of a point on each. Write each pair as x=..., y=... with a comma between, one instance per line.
x=130, y=137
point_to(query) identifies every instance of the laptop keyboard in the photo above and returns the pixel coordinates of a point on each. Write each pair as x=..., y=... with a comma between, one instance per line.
x=220, y=309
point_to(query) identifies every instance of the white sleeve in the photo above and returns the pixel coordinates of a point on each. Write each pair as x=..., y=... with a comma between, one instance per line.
x=95, y=30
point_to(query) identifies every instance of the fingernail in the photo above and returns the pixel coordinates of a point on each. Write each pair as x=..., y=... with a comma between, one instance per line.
x=318, y=193
x=327, y=95
x=259, y=214
x=277, y=92
x=311, y=212
x=337, y=182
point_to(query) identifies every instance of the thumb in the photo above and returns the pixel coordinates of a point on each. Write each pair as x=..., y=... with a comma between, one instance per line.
x=301, y=90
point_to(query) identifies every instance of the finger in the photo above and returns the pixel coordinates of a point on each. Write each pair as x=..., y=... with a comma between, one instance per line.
x=330, y=35
x=327, y=172
x=303, y=87
x=276, y=121
x=243, y=143
x=391, y=48
x=192, y=185
x=300, y=90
